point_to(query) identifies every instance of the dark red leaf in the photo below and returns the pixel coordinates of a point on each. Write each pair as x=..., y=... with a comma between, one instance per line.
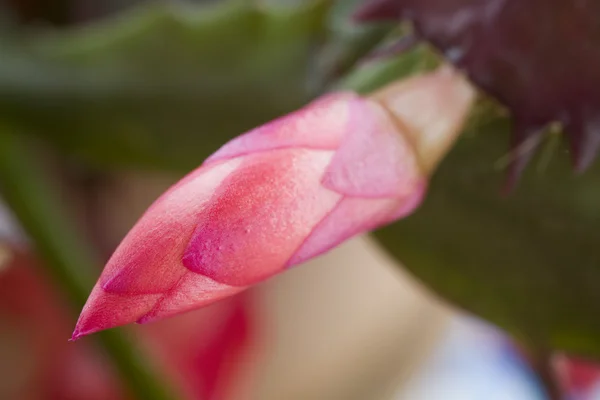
x=540, y=58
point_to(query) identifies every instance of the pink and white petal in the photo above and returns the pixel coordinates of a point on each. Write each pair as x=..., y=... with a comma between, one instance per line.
x=193, y=291
x=373, y=160
x=148, y=260
x=319, y=125
x=260, y=215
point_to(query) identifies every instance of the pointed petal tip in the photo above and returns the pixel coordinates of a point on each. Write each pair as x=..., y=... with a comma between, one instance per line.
x=78, y=332
x=76, y=336
x=105, y=310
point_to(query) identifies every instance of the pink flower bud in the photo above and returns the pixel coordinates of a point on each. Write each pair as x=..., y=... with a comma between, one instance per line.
x=271, y=199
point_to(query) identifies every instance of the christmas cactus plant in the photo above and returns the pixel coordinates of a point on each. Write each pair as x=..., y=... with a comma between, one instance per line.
x=467, y=130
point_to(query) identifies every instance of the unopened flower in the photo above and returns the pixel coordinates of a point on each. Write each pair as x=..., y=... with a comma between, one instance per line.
x=280, y=195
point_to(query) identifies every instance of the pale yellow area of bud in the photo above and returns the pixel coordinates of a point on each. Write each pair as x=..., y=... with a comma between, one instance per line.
x=430, y=110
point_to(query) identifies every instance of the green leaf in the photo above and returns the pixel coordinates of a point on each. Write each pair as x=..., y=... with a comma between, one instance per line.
x=374, y=75
x=162, y=86
x=528, y=261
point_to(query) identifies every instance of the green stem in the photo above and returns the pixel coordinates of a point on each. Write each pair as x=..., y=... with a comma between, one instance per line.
x=346, y=55
x=67, y=257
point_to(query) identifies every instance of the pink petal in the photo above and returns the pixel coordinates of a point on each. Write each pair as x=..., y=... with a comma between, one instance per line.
x=191, y=292
x=106, y=310
x=148, y=260
x=373, y=160
x=350, y=217
x=147, y=263
x=259, y=216
x=319, y=125
x=409, y=203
